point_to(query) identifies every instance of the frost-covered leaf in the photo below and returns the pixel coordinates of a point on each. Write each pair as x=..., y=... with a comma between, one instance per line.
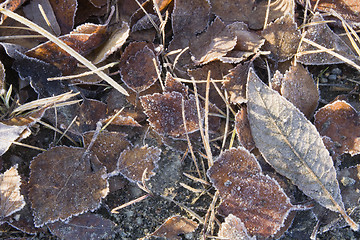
x=341, y=123
x=8, y=134
x=133, y=162
x=11, y=199
x=243, y=130
x=251, y=12
x=292, y=145
x=165, y=113
x=257, y=199
x=138, y=71
x=212, y=44
x=298, y=87
x=233, y=228
x=65, y=181
x=282, y=38
x=65, y=13
x=86, y=226
x=174, y=226
x=320, y=33
x=107, y=147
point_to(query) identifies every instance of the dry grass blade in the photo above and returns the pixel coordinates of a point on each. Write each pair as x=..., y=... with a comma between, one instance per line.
x=65, y=47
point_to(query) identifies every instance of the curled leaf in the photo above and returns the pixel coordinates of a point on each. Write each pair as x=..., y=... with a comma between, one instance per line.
x=293, y=146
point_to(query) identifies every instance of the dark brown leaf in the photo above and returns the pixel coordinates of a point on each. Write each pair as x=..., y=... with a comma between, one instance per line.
x=10, y=5
x=86, y=226
x=65, y=13
x=172, y=85
x=257, y=199
x=243, y=130
x=133, y=162
x=282, y=38
x=91, y=111
x=341, y=123
x=138, y=71
x=83, y=40
x=165, y=114
x=107, y=147
x=65, y=181
x=212, y=44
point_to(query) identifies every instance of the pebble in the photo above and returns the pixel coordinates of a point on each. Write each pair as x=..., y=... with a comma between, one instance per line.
x=332, y=77
x=336, y=71
x=324, y=80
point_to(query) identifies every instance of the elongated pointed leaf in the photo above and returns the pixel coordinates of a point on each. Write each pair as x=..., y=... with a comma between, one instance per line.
x=292, y=145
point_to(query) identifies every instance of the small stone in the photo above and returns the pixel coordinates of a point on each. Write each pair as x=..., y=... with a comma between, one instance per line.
x=332, y=77
x=336, y=71
x=324, y=80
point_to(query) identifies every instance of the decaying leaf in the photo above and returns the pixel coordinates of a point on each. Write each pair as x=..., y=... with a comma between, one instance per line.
x=122, y=120
x=173, y=227
x=257, y=199
x=348, y=9
x=65, y=181
x=11, y=199
x=86, y=226
x=349, y=179
x=243, y=131
x=83, y=40
x=251, y=12
x=282, y=38
x=113, y=43
x=292, y=145
x=133, y=162
x=65, y=13
x=91, y=111
x=171, y=85
x=213, y=44
x=107, y=147
x=341, y=123
x=138, y=71
x=235, y=82
x=233, y=228
x=299, y=88
x=165, y=114
x=320, y=33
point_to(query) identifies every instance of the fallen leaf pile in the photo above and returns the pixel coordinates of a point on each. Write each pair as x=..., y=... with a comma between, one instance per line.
x=109, y=110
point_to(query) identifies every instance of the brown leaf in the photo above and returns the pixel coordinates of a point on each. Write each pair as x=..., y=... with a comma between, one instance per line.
x=65, y=13
x=133, y=162
x=83, y=40
x=113, y=43
x=235, y=82
x=91, y=111
x=299, y=88
x=98, y=3
x=282, y=38
x=292, y=145
x=107, y=147
x=2, y=79
x=321, y=34
x=212, y=44
x=10, y=5
x=138, y=71
x=174, y=226
x=172, y=85
x=341, y=123
x=65, y=181
x=86, y=226
x=165, y=114
x=162, y=4
x=11, y=199
x=243, y=130
x=348, y=9
x=349, y=179
x=251, y=12
x=233, y=228
x=257, y=199
x=122, y=120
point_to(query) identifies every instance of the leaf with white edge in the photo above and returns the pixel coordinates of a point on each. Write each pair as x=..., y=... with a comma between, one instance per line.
x=65, y=181
x=11, y=200
x=234, y=228
x=8, y=134
x=293, y=146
